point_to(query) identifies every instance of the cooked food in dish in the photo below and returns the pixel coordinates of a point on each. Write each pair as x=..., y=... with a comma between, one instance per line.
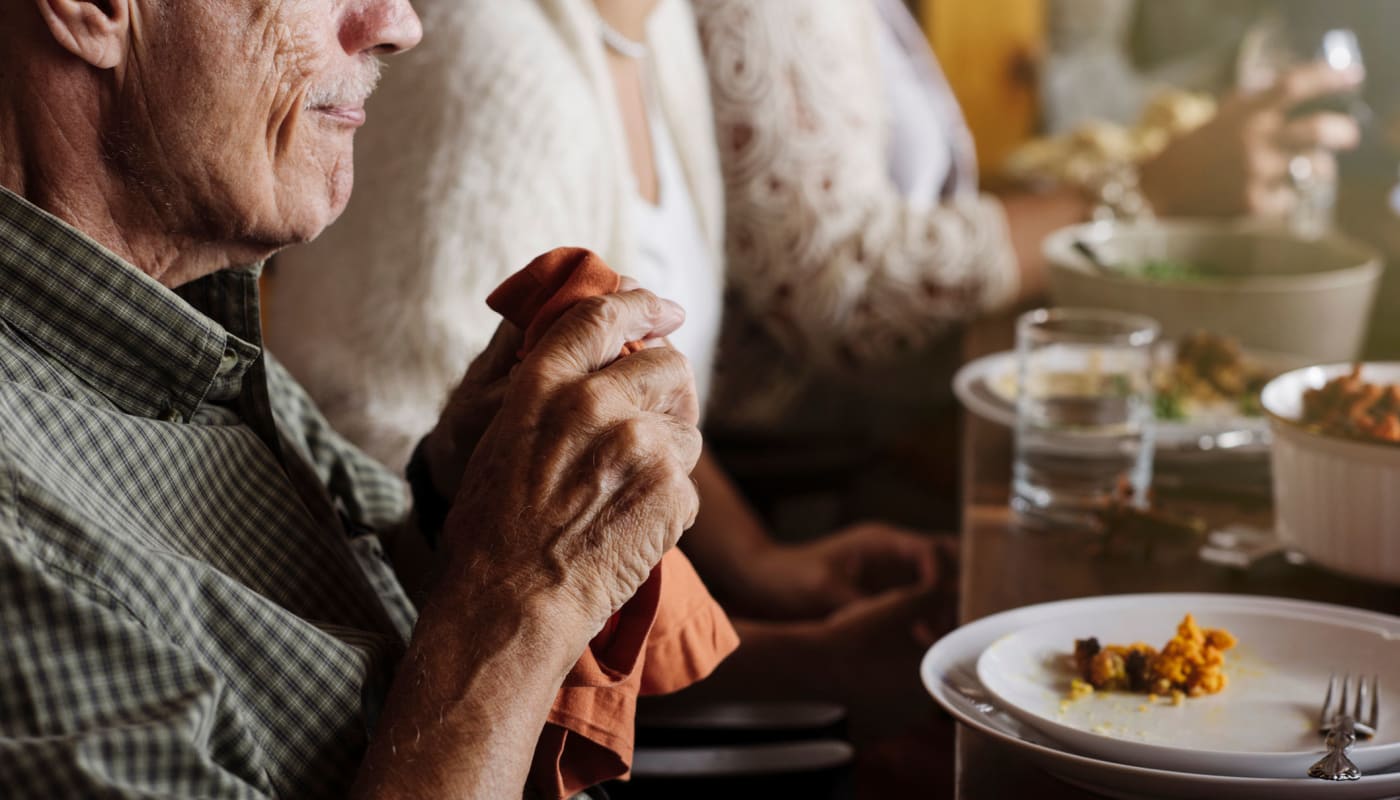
x=1189, y=665
x=1210, y=370
x=1349, y=406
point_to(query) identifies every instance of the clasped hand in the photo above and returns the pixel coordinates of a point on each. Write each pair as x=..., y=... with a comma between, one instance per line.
x=570, y=470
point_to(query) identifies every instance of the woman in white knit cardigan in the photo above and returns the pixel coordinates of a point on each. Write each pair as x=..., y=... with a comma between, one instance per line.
x=513, y=129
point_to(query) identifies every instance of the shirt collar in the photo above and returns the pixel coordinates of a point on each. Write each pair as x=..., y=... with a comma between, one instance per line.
x=153, y=352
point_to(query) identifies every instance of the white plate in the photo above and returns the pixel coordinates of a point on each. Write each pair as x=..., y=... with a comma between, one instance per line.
x=1264, y=724
x=949, y=673
x=987, y=388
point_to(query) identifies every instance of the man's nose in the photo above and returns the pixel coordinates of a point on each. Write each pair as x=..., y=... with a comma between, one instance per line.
x=380, y=27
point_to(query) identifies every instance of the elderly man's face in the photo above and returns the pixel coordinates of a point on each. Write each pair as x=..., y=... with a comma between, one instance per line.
x=240, y=114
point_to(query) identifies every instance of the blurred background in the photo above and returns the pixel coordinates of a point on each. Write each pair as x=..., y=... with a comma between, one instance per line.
x=1025, y=69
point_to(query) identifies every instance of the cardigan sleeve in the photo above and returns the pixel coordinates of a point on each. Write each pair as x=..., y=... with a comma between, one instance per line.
x=823, y=251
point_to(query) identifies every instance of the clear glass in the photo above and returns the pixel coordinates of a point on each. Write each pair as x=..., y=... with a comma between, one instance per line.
x=1269, y=50
x=1084, y=414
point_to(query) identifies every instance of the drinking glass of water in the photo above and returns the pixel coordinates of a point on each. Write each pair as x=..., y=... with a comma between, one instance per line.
x=1084, y=413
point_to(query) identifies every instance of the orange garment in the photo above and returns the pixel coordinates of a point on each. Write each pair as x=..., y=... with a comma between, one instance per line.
x=668, y=636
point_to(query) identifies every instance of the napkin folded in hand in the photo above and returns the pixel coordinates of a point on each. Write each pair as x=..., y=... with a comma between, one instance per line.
x=669, y=635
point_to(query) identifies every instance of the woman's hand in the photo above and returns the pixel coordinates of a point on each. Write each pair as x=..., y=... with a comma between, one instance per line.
x=865, y=657
x=818, y=578
x=1238, y=163
x=871, y=651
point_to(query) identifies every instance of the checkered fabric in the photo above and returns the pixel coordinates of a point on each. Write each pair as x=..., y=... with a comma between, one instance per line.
x=193, y=601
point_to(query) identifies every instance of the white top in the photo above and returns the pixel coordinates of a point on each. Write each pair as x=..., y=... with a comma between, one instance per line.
x=673, y=259
x=930, y=155
x=920, y=160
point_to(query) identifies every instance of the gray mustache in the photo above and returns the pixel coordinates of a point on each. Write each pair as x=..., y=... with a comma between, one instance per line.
x=351, y=89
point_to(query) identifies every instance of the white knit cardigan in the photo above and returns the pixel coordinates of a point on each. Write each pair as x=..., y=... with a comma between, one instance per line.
x=495, y=140
x=836, y=279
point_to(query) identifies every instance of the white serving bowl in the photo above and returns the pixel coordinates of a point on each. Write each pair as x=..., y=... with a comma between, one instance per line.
x=1336, y=500
x=1278, y=292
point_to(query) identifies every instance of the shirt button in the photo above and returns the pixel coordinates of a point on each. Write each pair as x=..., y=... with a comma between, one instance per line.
x=171, y=415
x=228, y=362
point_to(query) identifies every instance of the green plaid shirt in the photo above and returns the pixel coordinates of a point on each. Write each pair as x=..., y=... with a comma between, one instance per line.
x=192, y=601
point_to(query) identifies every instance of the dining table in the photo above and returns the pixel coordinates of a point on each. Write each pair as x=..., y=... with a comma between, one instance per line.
x=1005, y=566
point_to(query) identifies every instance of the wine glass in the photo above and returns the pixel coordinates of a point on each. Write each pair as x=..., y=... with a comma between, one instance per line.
x=1270, y=49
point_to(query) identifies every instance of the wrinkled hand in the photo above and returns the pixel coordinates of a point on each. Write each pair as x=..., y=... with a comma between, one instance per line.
x=475, y=402
x=816, y=578
x=1238, y=163
x=470, y=409
x=581, y=482
x=873, y=647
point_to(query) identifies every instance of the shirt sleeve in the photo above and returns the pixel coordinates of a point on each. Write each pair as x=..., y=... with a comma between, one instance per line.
x=95, y=705
x=824, y=252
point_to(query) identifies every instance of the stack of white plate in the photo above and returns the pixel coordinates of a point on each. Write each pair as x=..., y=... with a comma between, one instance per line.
x=1008, y=676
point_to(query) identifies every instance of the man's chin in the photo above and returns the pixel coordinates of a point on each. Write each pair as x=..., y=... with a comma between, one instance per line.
x=342, y=183
x=310, y=220
x=260, y=244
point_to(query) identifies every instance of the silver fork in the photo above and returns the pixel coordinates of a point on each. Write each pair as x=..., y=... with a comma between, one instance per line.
x=1343, y=722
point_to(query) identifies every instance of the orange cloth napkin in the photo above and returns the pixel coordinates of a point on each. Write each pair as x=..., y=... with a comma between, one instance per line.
x=668, y=636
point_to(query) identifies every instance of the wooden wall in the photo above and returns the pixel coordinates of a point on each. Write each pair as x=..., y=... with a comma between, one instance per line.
x=990, y=50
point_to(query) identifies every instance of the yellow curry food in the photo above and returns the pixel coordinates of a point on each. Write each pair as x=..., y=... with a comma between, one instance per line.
x=1189, y=665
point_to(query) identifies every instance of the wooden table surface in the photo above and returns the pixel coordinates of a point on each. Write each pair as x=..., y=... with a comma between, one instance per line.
x=1003, y=568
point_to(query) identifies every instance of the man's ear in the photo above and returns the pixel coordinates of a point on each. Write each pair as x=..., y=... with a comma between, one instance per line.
x=93, y=30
